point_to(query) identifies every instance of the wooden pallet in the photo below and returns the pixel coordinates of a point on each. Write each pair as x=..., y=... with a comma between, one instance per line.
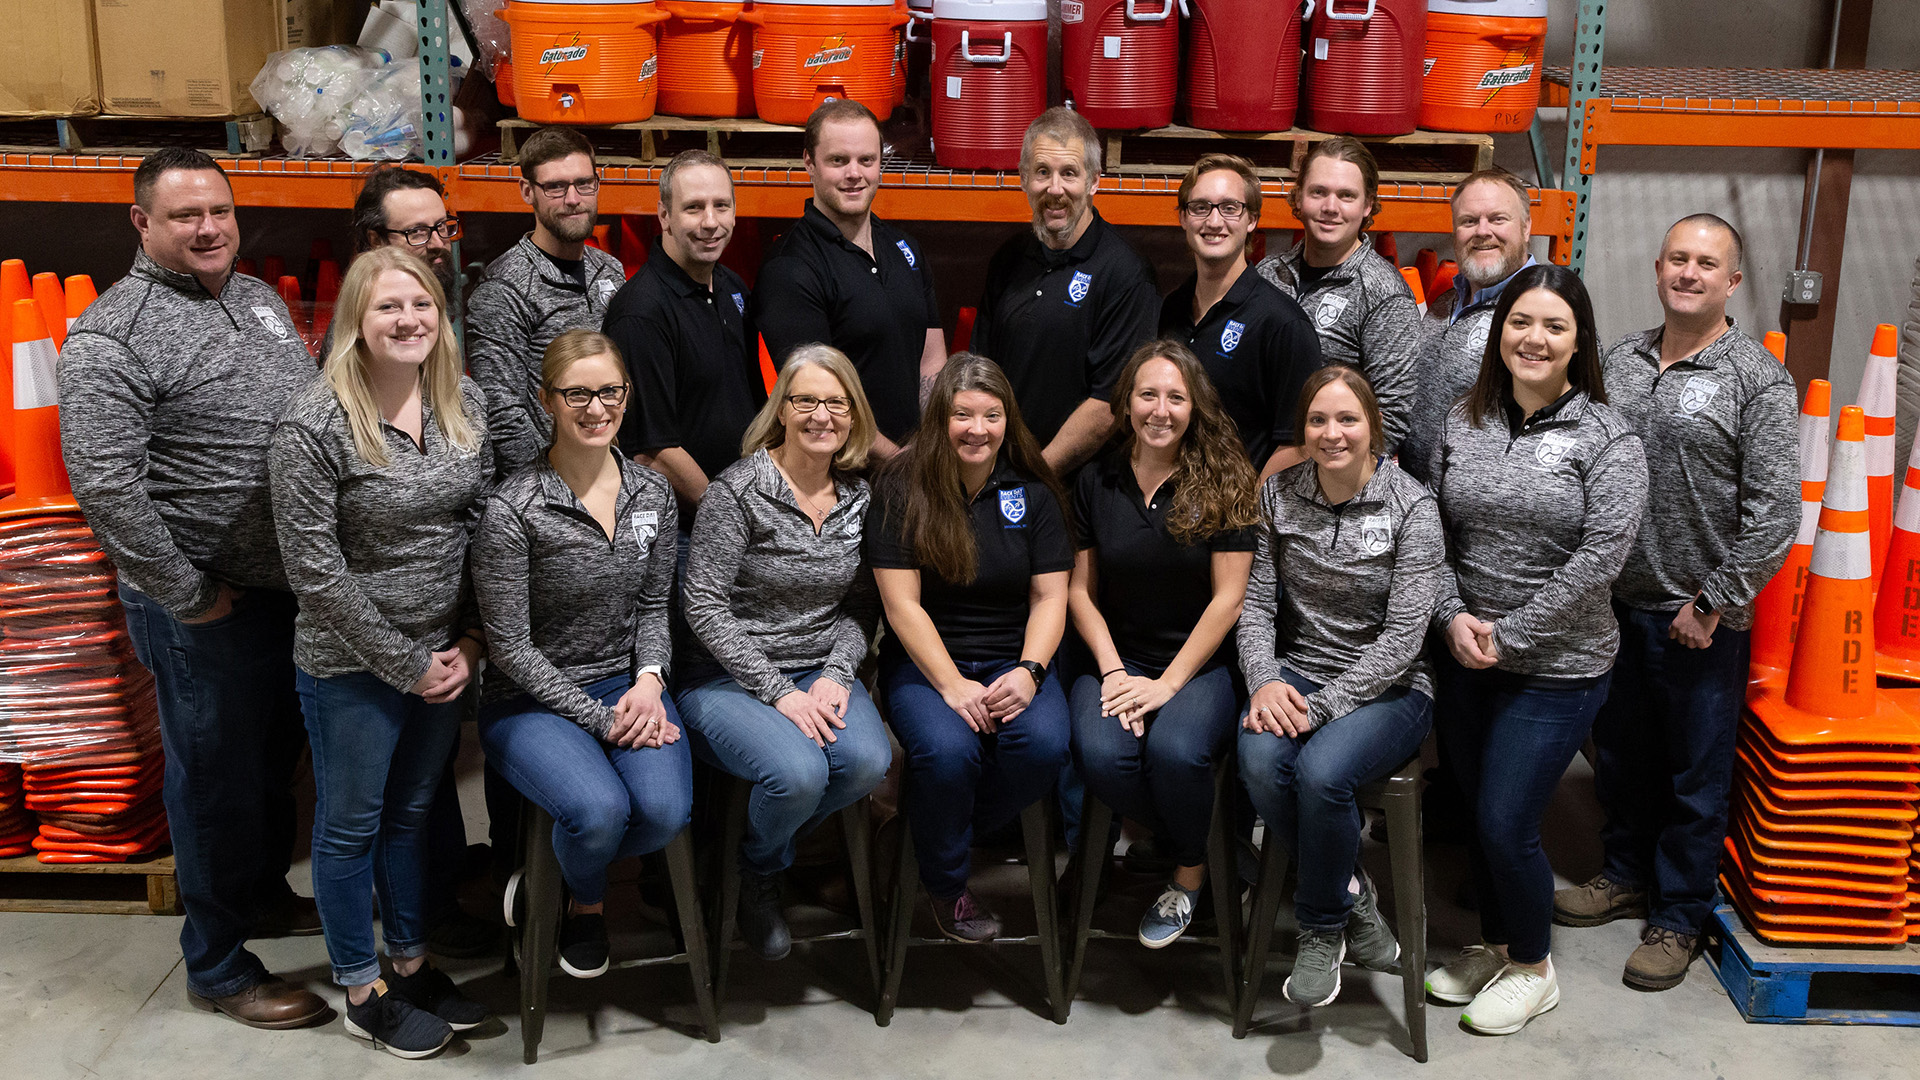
x=745, y=143
x=239, y=136
x=145, y=886
x=1772, y=984
x=1423, y=157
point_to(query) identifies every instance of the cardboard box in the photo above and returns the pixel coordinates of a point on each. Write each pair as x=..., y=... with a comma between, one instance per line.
x=47, y=64
x=310, y=24
x=183, y=57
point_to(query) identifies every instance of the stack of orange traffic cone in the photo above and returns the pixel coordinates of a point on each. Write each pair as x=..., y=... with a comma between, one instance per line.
x=53, y=307
x=1878, y=389
x=17, y=826
x=1777, y=612
x=1827, y=781
x=80, y=296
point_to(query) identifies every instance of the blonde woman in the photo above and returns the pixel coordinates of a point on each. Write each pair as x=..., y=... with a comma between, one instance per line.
x=782, y=608
x=378, y=473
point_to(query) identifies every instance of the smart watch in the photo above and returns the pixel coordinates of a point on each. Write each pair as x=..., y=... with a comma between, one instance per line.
x=1702, y=605
x=1037, y=670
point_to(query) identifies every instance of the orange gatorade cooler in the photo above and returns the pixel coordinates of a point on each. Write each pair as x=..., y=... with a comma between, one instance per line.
x=706, y=59
x=1482, y=69
x=806, y=53
x=584, y=63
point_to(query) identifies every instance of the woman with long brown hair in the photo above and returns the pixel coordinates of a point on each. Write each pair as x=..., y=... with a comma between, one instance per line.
x=969, y=548
x=1164, y=527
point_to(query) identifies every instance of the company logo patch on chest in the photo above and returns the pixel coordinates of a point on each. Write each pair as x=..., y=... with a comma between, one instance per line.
x=1696, y=394
x=270, y=319
x=1329, y=311
x=1013, y=507
x=646, y=526
x=1376, y=534
x=1553, y=448
x=1077, y=288
x=907, y=250
x=1230, y=337
x=740, y=303
x=607, y=289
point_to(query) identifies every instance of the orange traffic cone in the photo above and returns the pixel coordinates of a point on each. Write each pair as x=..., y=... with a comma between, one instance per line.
x=1426, y=261
x=53, y=306
x=1412, y=275
x=296, y=308
x=326, y=290
x=767, y=373
x=80, y=296
x=15, y=285
x=1777, y=612
x=41, y=477
x=1896, y=611
x=1388, y=247
x=1443, y=278
x=1776, y=343
x=15, y=282
x=1832, y=673
x=1876, y=396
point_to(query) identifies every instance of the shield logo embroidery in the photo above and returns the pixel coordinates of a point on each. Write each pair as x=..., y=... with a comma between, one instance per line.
x=1329, y=311
x=646, y=526
x=740, y=303
x=1077, y=288
x=1553, y=448
x=908, y=252
x=1376, y=534
x=270, y=319
x=607, y=289
x=1230, y=337
x=1013, y=506
x=1695, y=395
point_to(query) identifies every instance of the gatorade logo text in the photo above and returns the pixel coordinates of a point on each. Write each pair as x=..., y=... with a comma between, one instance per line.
x=647, y=68
x=1071, y=11
x=1428, y=69
x=758, y=55
x=838, y=54
x=563, y=54
x=1500, y=78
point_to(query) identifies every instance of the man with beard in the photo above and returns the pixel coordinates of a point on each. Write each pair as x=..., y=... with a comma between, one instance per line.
x=398, y=205
x=548, y=283
x=842, y=277
x=1491, y=227
x=1068, y=301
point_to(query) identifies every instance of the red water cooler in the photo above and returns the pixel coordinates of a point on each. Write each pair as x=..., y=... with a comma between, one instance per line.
x=1363, y=66
x=1120, y=60
x=1243, y=64
x=989, y=79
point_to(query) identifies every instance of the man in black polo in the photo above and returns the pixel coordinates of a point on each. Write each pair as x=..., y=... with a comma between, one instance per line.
x=681, y=322
x=844, y=278
x=1064, y=304
x=1256, y=343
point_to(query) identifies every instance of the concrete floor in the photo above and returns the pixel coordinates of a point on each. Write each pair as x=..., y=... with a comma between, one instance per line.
x=90, y=995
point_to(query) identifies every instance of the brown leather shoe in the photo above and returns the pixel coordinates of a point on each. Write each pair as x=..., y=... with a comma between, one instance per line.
x=298, y=917
x=272, y=1004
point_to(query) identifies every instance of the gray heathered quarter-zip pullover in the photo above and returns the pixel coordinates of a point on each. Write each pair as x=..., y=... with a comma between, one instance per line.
x=168, y=397
x=1453, y=342
x=1540, y=515
x=512, y=316
x=564, y=605
x=1723, y=472
x=1342, y=594
x=376, y=554
x=1366, y=318
x=764, y=594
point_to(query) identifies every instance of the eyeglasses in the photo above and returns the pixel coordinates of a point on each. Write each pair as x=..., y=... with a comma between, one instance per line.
x=421, y=235
x=805, y=404
x=579, y=397
x=558, y=188
x=1201, y=209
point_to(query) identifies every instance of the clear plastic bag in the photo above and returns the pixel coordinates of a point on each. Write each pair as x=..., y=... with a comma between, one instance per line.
x=383, y=121
x=490, y=34
x=309, y=91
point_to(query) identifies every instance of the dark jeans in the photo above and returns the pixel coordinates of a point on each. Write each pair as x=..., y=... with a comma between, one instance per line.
x=960, y=782
x=1163, y=779
x=1665, y=767
x=1304, y=786
x=378, y=755
x=1511, y=738
x=608, y=802
x=230, y=727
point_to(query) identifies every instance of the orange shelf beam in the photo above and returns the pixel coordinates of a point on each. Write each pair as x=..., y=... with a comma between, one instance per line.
x=1890, y=125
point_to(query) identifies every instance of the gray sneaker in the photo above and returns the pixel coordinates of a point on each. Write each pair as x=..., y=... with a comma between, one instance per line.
x=1368, y=935
x=1316, y=968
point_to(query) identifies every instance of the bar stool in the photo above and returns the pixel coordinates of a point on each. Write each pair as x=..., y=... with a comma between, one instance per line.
x=1096, y=822
x=541, y=929
x=1398, y=797
x=856, y=822
x=1037, y=824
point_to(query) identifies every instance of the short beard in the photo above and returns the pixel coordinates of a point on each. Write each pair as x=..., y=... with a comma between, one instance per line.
x=1506, y=269
x=560, y=229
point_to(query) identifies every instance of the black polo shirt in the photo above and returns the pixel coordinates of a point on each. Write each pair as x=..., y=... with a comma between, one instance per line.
x=1258, y=347
x=1018, y=531
x=1152, y=588
x=691, y=353
x=818, y=286
x=1061, y=324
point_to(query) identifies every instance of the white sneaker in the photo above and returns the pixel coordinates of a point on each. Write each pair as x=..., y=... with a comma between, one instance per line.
x=1458, y=982
x=1511, y=1000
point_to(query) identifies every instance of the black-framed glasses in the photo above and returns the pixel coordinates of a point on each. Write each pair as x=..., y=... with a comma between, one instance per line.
x=557, y=189
x=447, y=228
x=579, y=397
x=1201, y=209
x=805, y=404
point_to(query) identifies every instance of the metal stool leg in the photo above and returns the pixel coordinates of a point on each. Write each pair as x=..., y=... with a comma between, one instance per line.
x=1036, y=827
x=906, y=885
x=542, y=884
x=857, y=823
x=1404, y=844
x=1226, y=883
x=699, y=968
x=1266, y=906
x=726, y=911
x=1096, y=836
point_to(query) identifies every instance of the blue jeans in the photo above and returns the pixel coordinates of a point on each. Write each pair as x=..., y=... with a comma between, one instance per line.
x=960, y=782
x=1665, y=766
x=1304, y=785
x=608, y=802
x=1163, y=779
x=230, y=727
x=796, y=784
x=377, y=758
x=1510, y=738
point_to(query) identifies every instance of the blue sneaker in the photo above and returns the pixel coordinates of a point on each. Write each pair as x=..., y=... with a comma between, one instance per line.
x=1169, y=917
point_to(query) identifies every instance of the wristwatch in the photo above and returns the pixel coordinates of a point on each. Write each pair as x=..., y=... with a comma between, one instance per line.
x=1035, y=669
x=1702, y=605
